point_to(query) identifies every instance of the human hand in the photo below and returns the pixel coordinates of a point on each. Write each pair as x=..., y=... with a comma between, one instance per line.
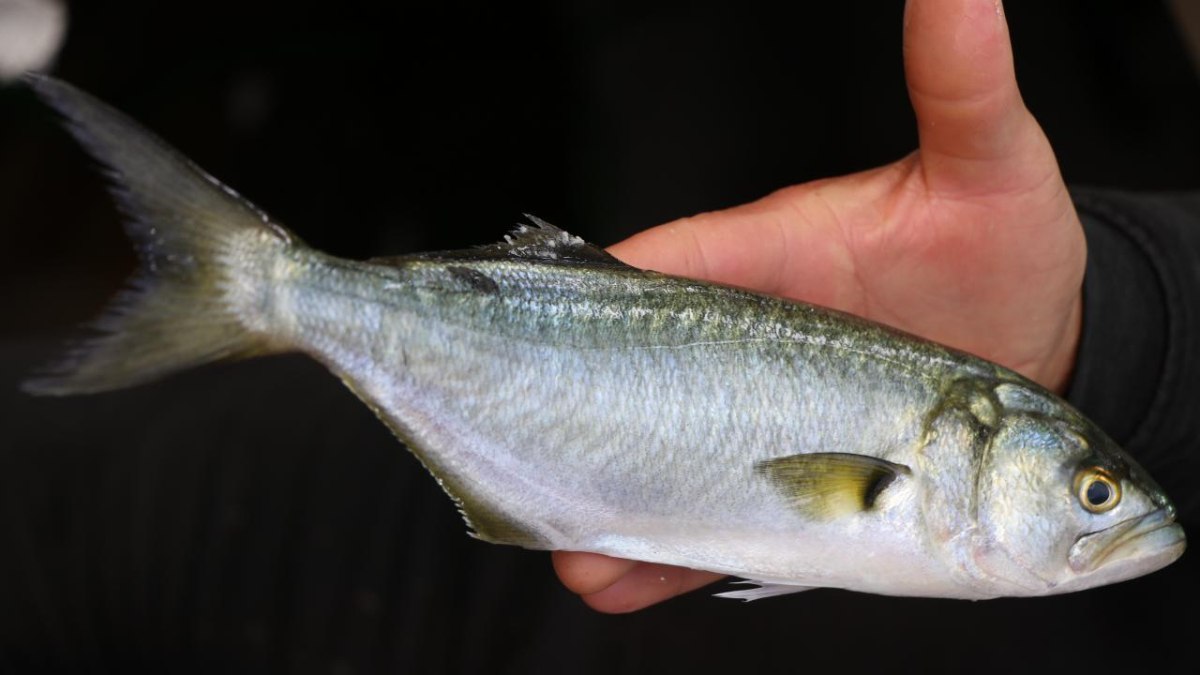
x=971, y=241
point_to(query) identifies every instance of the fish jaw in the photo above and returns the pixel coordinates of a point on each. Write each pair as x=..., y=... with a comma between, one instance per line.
x=1129, y=549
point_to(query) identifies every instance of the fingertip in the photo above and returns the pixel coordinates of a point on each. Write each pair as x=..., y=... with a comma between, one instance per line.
x=741, y=246
x=588, y=573
x=645, y=585
x=671, y=248
x=944, y=38
x=959, y=67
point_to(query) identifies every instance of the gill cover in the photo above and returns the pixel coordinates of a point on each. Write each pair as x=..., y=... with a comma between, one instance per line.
x=978, y=441
x=1026, y=515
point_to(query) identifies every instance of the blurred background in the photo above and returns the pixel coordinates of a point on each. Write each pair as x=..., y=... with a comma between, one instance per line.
x=255, y=517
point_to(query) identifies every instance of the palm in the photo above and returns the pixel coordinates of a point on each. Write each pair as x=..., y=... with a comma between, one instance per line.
x=971, y=241
x=997, y=274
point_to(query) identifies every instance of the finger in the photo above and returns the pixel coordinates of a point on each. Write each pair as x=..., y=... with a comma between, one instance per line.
x=753, y=246
x=972, y=123
x=723, y=246
x=586, y=573
x=647, y=584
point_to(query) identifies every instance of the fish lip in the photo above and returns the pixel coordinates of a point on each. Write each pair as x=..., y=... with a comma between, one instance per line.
x=1091, y=550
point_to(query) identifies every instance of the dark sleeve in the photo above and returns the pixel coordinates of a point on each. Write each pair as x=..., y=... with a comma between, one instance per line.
x=1138, y=368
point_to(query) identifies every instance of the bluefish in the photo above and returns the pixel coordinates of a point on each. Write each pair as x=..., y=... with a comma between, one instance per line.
x=565, y=400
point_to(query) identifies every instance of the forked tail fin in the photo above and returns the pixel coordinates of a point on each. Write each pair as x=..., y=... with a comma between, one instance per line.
x=196, y=240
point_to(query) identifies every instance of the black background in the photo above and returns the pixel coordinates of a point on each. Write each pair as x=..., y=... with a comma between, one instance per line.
x=255, y=516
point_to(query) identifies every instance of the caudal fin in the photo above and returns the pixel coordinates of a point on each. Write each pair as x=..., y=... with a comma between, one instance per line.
x=191, y=234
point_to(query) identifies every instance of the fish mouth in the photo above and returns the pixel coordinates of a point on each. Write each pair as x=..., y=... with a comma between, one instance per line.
x=1154, y=538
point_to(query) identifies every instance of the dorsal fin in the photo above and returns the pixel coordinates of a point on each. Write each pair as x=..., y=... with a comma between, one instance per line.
x=536, y=240
x=543, y=241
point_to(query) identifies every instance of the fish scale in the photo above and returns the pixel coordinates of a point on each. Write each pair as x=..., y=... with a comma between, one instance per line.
x=565, y=400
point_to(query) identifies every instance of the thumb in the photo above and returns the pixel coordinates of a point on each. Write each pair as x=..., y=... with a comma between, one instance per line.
x=974, y=128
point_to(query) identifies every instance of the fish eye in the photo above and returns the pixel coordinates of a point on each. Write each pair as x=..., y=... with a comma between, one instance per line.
x=1097, y=490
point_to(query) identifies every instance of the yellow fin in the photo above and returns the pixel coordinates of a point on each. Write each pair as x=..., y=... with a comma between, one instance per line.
x=831, y=484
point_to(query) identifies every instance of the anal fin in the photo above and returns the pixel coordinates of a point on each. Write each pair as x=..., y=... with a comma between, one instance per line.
x=762, y=589
x=484, y=521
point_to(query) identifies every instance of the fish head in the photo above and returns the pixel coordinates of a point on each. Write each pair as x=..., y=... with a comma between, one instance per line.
x=1060, y=507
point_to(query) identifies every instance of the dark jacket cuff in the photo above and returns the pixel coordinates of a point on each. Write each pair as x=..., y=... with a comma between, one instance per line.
x=1137, y=371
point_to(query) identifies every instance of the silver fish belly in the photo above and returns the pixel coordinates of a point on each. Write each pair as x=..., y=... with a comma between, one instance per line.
x=565, y=400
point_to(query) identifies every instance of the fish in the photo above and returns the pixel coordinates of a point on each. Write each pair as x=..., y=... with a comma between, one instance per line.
x=567, y=401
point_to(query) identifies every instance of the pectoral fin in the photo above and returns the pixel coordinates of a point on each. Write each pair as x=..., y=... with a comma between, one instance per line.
x=831, y=484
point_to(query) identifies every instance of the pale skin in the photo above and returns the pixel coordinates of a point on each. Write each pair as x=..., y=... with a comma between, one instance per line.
x=971, y=240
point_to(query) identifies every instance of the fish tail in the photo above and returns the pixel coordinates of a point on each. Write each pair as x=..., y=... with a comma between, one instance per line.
x=198, y=244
